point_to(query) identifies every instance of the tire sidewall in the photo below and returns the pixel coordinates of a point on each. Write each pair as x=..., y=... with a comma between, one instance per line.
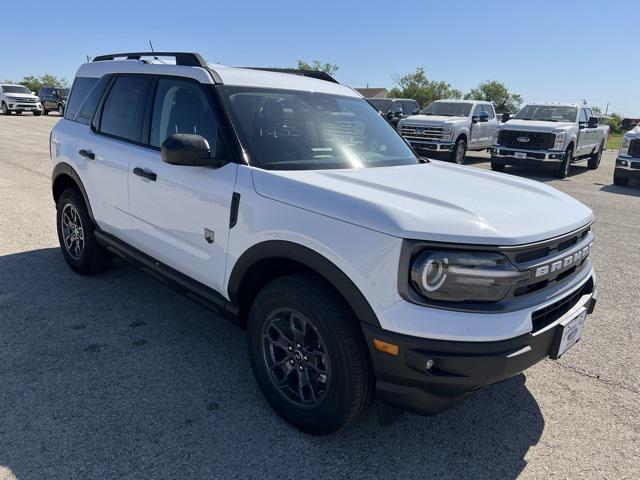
x=335, y=409
x=73, y=197
x=459, y=142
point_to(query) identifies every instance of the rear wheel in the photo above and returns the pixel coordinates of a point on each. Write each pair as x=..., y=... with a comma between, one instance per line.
x=565, y=165
x=620, y=180
x=307, y=355
x=459, y=151
x=37, y=113
x=76, y=235
x=497, y=167
x=594, y=160
x=61, y=110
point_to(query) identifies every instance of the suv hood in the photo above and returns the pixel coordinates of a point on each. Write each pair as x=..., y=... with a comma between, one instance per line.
x=21, y=95
x=435, y=201
x=535, y=125
x=433, y=119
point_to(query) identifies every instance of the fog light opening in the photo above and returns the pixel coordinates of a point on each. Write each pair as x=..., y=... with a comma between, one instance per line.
x=429, y=364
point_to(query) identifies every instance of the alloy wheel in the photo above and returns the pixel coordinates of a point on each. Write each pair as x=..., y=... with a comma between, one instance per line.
x=72, y=231
x=296, y=358
x=460, y=153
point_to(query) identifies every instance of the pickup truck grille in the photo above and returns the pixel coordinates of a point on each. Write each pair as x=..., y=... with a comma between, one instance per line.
x=634, y=148
x=426, y=132
x=537, y=140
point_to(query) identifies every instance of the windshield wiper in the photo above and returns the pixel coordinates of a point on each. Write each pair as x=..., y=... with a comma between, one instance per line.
x=546, y=120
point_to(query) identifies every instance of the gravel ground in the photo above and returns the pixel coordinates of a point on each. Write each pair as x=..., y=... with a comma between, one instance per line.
x=117, y=376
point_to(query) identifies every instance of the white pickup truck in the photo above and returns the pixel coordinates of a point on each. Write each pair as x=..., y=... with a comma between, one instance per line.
x=451, y=127
x=555, y=135
x=628, y=161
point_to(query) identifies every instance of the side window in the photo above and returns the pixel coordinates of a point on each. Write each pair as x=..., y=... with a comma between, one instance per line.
x=88, y=107
x=123, y=109
x=489, y=109
x=44, y=91
x=477, y=111
x=181, y=107
x=589, y=113
x=409, y=107
x=583, y=115
x=81, y=88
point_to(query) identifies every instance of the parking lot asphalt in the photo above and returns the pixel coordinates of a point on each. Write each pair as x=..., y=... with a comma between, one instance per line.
x=117, y=376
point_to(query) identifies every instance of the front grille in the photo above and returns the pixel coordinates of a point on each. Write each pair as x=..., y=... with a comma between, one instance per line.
x=546, y=316
x=536, y=140
x=25, y=100
x=634, y=148
x=424, y=132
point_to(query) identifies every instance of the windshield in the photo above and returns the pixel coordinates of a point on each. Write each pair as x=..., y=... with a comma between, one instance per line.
x=448, y=109
x=549, y=113
x=14, y=89
x=292, y=130
x=381, y=104
x=63, y=92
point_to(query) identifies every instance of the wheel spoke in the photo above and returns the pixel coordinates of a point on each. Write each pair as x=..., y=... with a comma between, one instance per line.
x=304, y=384
x=298, y=326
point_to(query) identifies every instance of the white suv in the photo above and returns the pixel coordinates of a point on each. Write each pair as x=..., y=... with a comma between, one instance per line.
x=18, y=98
x=290, y=205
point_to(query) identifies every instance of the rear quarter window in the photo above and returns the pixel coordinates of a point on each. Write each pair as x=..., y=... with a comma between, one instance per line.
x=81, y=88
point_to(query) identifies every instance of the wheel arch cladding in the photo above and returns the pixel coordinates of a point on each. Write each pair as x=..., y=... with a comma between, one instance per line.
x=63, y=177
x=272, y=259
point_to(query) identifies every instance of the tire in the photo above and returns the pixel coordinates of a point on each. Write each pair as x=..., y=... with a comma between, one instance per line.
x=459, y=152
x=326, y=404
x=61, y=110
x=76, y=235
x=18, y=112
x=45, y=111
x=619, y=180
x=594, y=160
x=497, y=167
x=5, y=110
x=565, y=166
x=37, y=113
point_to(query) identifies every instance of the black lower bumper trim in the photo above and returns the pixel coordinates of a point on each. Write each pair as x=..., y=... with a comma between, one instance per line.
x=628, y=173
x=458, y=369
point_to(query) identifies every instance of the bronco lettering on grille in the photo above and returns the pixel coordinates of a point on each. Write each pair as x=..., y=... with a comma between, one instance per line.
x=563, y=263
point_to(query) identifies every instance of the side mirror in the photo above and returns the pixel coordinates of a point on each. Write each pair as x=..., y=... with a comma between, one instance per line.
x=33, y=93
x=506, y=117
x=475, y=119
x=593, y=122
x=416, y=111
x=484, y=117
x=188, y=150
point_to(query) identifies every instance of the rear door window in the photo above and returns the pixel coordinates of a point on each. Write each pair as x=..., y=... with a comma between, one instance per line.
x=81, y=88
x=123, y=110
x=88, y=107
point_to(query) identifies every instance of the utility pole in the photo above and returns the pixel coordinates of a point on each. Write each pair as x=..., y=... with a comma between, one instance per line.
x=606, y=111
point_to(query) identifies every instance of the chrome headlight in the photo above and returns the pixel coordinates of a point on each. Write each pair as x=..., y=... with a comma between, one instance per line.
x=624, y=146
x=560, y=138
x=494, y=141
x=447, y=131
x=463, y=276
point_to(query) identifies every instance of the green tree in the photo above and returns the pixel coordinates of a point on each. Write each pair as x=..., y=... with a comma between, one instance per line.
x=417, y=86
x=615, y=123
x=329, y=68
x=34, y=83
x=497, y=93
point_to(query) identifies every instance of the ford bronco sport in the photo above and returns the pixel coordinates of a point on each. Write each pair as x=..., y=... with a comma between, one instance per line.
x=286, y=202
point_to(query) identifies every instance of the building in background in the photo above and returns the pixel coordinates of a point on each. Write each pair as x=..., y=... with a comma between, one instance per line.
x=373, y=92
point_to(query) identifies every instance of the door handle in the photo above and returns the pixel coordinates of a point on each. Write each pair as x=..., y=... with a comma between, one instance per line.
x=145, y=174
x=88, y=154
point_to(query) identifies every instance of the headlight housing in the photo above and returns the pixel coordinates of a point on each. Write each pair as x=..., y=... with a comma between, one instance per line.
x=560, y=139
x=447, y=132
x=624, y=146
x=461, y=276
x=496, y=133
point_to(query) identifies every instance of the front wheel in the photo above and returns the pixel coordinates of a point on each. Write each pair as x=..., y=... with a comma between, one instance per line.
x=61, y=110
x=80, y=249
x=565, y=165
x=620, y=180
x=5, y=110
x=594, y=160
x=306, y=354
x=459, y=151
x=37, y=113
x=497, y=167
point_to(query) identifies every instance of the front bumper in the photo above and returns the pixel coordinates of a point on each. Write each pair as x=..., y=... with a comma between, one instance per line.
x=507, y=156
x=628, y=167
x=460, y=367
x=431, y=146
x=24, y=107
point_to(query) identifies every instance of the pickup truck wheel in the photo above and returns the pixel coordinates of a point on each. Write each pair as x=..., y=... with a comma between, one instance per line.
x=459, y=151
x=619, y=180
x=497, y=167
x=565, y=165
x=306, y=354
x=79, y=246
x=594, y=160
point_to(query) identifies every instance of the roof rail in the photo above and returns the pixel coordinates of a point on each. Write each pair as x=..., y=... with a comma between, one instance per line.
x=182, y=58
x=296, y=71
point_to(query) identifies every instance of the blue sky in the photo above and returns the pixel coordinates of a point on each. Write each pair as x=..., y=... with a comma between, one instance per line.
x=544, y=50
